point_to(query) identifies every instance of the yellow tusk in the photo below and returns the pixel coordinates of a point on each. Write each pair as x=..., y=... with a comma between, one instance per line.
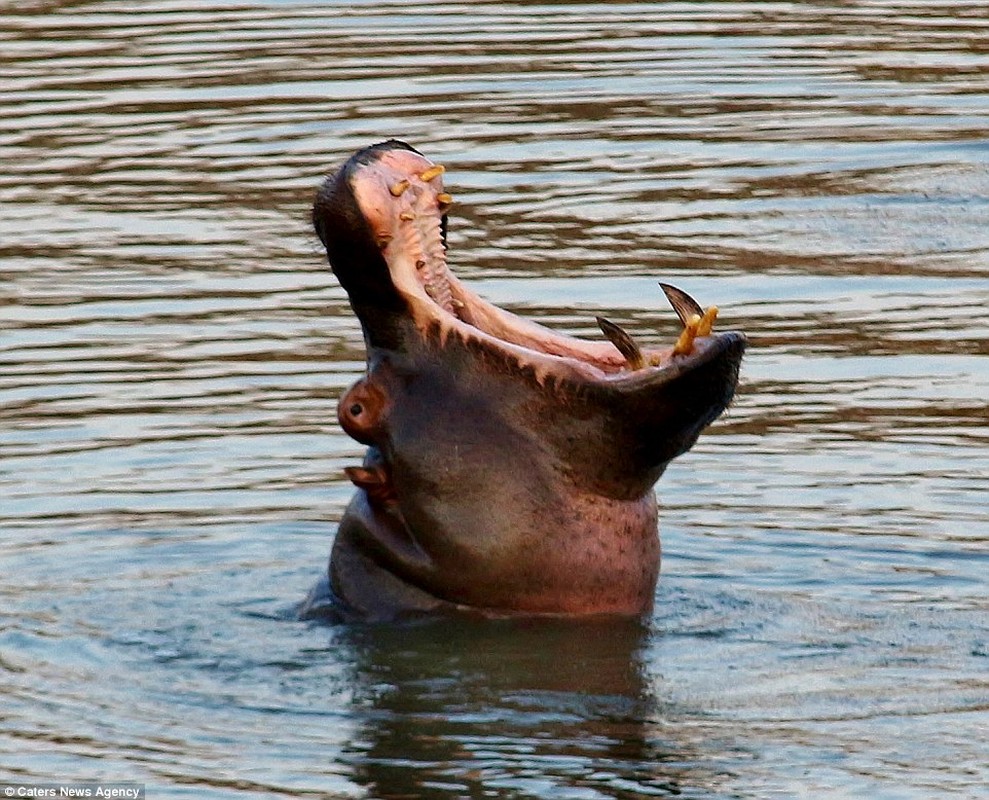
x=686, y=341
x=407, y=216
x=444, y=200
x=707, y=321
x=398, y=189
x=432, y=172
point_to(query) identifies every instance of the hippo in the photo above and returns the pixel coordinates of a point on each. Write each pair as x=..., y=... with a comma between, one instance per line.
x=509, y=469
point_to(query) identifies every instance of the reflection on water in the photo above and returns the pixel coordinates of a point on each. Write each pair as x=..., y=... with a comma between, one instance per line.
x=172, y=347
x=542, y=707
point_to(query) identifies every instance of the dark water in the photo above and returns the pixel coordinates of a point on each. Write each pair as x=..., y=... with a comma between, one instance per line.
x=172, y=348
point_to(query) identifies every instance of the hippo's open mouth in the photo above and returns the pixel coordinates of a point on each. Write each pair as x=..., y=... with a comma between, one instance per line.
x=509, y=468
x=400, y=196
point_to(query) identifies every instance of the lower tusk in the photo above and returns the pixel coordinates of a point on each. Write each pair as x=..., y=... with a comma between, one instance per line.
x=684, y=305
x=624, y=343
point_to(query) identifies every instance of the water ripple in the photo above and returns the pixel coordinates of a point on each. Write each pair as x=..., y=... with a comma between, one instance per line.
x=172, y=347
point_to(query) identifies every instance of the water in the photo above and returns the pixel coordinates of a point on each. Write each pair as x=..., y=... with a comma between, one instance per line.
x=173, y=346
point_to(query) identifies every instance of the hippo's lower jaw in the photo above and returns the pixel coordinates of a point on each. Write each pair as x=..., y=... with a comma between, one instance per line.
x=510, y=468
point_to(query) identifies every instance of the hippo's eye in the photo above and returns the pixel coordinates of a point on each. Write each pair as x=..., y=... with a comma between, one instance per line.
x=356, y=410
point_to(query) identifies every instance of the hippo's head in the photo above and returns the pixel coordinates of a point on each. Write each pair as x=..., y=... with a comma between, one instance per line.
x=510, y=469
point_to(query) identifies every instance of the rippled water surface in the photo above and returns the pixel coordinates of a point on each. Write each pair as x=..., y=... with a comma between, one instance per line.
x=173, y=346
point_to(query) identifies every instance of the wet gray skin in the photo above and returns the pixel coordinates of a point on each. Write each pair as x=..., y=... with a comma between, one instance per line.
x=509, y=469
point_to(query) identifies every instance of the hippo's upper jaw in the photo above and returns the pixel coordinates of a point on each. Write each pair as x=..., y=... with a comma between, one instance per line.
x=510, y=468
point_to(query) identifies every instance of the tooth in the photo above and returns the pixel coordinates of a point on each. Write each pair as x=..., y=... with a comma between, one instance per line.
x=682, y=303
x=707, y=321
x=444, y=200
x=397, y=189
x=432, y=172
x=686, y=341
x=383, y=240
x=420, y=263
x=619, y=337
x=407, y=216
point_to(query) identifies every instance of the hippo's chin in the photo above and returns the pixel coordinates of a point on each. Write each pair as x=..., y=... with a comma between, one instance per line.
x=510, y=468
